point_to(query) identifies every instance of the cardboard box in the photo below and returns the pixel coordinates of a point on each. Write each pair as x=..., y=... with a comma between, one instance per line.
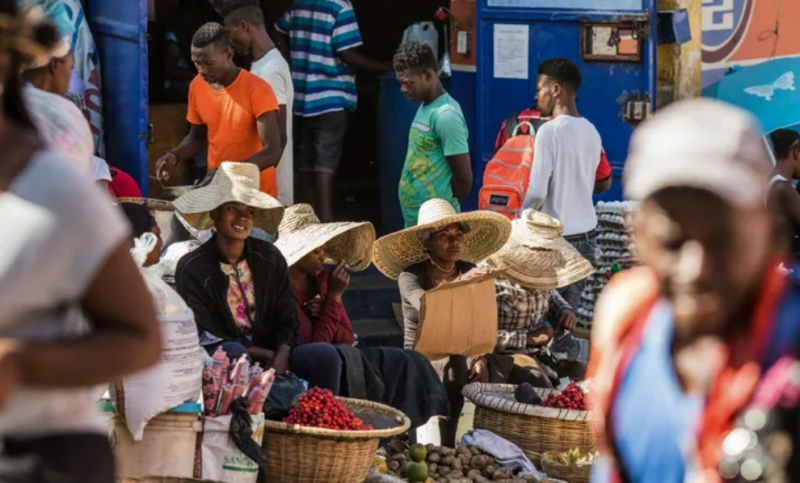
x=459, y=318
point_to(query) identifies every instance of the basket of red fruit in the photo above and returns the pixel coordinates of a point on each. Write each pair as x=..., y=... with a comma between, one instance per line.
x=547, y=420
x=325, y=439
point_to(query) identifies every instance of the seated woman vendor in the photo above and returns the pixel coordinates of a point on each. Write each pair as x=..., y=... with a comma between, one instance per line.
x=402, y=379
x=537, y=261
x=307, y=244
x=238, y=286
x=444, y=247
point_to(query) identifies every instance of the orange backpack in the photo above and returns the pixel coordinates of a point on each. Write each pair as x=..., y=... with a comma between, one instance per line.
x=506, y=178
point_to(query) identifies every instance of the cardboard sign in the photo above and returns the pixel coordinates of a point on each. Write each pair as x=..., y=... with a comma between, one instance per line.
x=459, y=318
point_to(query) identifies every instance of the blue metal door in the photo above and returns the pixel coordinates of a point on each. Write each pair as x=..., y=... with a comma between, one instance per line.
x=120, y=32
x=554, y=30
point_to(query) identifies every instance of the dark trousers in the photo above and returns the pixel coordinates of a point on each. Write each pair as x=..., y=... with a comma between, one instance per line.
x=70, y=458
x=317, y=363
x=587, y=246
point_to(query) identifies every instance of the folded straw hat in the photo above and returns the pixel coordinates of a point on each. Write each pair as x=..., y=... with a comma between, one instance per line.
x=537, y=256
x=301, y=232
x=488, y=231
x=233, y=182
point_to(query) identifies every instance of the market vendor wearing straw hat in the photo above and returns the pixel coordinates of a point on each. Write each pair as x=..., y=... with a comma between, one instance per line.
x=307, y=244
x=443, y=247
x=402, y=379
x=537, y=261
x=238, y=286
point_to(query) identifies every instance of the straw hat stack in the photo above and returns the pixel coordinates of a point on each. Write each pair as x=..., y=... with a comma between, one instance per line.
x=301, y=232
x=488, y=232
x=538, y=257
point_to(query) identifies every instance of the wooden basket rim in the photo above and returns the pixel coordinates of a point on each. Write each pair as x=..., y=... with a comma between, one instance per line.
x=153, y=204
x=322, y=433
x=485, y=396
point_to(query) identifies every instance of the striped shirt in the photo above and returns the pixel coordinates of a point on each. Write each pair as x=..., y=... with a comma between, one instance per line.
x=319, y=30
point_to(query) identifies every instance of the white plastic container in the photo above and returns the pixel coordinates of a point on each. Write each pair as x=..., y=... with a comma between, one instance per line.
x=425, y=31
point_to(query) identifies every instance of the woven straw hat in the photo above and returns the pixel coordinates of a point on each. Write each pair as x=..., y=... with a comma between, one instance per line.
x=232, y=182
x=301, y=232
x=538, y=257
x=488, y=231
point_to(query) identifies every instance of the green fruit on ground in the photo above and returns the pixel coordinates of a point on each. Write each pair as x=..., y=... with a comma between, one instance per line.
x=404, y=468
x=417, y=473
x=418, y=452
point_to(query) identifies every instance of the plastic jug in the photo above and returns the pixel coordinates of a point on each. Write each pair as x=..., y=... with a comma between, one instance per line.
x=425, y=31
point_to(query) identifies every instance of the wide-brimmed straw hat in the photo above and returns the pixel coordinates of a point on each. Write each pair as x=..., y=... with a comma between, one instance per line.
x=301, y=232
x=233, y=182
x=538, y=257
x=488, y=232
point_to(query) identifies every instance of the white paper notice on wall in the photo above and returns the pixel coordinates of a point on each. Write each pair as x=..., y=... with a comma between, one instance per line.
x=511, y=57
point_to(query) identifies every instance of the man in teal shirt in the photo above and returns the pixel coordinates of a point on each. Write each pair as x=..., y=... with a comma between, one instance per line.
x=437, y=164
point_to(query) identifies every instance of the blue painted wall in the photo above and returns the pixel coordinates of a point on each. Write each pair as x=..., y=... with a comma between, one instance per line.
x=120, y=32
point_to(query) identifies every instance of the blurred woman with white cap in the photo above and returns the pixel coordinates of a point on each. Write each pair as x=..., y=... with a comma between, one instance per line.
x=694, y=359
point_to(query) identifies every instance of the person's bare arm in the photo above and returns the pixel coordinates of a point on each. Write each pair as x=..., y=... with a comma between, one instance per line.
x=789, y=201
x=270, y=135
x=462, y=175
x=357, y=60
x=602, y=185
x=125, y=339
x=191, y=146
x=282, y=125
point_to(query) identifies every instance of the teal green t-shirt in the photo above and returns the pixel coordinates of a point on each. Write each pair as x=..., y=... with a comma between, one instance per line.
x=439, y=130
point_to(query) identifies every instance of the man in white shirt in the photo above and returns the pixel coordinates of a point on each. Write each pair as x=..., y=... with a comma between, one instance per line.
x=566, y=157
x=245, y=23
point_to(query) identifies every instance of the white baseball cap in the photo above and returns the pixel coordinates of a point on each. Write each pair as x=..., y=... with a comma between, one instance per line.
x=699, y=143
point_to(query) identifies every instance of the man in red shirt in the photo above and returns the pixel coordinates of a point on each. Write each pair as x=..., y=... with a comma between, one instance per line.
x=603, y=176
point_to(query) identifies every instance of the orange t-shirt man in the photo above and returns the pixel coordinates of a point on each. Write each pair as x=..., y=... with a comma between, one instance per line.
x=230, y=115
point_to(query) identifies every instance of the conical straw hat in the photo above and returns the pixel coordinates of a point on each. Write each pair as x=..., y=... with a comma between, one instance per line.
x=301, y=232
x=237, y=182
x=488, y=231
x=537, y=256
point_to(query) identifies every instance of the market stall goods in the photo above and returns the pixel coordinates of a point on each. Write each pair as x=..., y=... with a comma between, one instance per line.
x=224, y=382
x=304, y=454
x=319, y=408
x=536, y=429
x=439, y=464
x=573, y=397
x=573, y=466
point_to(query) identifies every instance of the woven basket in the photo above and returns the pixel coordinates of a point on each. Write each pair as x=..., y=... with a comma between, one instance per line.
x=535, y=429
x=301, y=454
x=571, y=473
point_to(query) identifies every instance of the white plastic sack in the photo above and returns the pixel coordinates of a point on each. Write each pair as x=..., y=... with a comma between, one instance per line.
x=426, y=32
x=173, y=254
x=177, y=376
x=221, y=459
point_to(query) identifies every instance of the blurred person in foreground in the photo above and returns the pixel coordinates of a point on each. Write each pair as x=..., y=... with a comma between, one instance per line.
x=63, y=256
x=687, y=348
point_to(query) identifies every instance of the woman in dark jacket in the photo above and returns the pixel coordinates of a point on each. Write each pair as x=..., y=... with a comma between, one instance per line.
x=238, y=286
